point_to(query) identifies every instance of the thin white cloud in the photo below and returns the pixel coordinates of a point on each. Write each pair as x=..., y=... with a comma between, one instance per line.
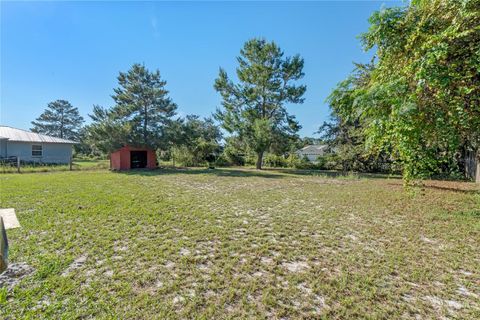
x=154, y=25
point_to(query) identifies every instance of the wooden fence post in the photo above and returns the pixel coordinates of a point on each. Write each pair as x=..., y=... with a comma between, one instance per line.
x=477, y=161
x=472, y=165
x=3, y=247
x=70, y=163
x=18, y=164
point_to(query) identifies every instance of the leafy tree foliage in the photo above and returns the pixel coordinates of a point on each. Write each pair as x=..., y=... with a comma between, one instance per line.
x=192, y=140
x=254, y=108
x=106, y=132
x=345, y=133
x=235, y=151
x=60, y=119
x=424, y=94
x=140, y=116
x=142, y=101
x=85, y=147
x=421, y=100
x=196, y=129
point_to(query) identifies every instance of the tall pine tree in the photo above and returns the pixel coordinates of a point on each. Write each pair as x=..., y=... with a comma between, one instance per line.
x=60, y=119
x=254, y=108
x=142, y=102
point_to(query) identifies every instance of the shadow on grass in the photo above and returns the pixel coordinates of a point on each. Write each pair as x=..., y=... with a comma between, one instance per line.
x=270, y=173
x=334, y=174
x=451, y=189
x=221, y=172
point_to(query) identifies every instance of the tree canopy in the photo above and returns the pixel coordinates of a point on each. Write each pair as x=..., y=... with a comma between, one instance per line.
x=141, y=113
x=193, y=140
x=254, y=107
x=421, y=100
x=60, y=119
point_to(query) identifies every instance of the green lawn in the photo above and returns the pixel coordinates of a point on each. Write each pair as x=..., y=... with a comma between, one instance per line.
x=231, y=243
x=91, y=164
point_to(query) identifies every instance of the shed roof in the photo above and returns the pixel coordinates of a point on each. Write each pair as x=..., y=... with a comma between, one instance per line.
x=14, y=134
x=132, y=147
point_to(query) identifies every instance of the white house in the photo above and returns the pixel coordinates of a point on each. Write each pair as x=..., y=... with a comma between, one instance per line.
x=33, y=147
x=312, y=152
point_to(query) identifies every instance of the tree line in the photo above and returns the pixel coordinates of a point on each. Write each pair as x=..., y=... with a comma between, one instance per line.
x=253, y=113
x=414, y=109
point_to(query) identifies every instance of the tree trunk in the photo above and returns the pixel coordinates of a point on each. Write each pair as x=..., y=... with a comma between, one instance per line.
x=259, y=160
x=62, y=125
x=145, y=121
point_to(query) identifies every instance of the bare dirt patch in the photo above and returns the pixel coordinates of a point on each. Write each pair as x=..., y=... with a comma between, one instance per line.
x=77, y=263
x=296, y=266
x=14, y=274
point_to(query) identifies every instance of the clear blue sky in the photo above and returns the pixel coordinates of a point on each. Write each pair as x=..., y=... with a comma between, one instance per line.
x=74, y=51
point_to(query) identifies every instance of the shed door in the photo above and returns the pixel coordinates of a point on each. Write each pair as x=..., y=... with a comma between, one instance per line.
x=138, y=159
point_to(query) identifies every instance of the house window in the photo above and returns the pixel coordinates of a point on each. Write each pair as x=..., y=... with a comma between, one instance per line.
x=37, y=150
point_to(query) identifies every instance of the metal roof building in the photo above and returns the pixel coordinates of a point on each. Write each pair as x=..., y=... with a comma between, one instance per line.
x=13, y=134
x=34, y=147
x=313, y=151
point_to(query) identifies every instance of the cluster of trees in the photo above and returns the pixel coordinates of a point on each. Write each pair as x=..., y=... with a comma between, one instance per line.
x=417, y=105
x=143, y=115
x=414, y=108
x=253, y=113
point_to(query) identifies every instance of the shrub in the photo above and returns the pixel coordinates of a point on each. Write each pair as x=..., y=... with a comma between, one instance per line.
x=222, y=161
x=183, y=156
x=274, y=161
x=293, y=160
x=232, y=157
x=305, y=164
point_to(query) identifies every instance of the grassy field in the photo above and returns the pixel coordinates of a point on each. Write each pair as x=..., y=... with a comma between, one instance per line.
x=91, y=164
x=231, y=243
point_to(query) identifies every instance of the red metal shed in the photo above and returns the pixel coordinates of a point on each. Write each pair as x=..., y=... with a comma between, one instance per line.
x=129, y=157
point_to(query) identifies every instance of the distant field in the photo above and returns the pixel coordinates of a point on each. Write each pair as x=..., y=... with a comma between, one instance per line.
x=231, y=243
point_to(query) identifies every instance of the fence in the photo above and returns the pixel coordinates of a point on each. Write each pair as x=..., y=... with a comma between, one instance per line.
x=17, y=165
x=472, y=165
